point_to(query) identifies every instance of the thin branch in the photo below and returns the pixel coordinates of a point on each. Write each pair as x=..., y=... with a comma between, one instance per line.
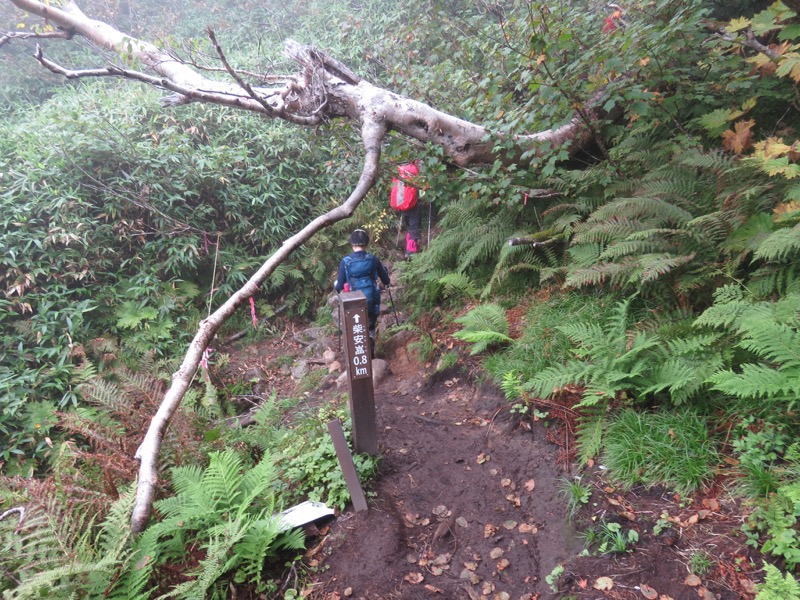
x=19, y=509
x=65, y=34
x=232, y=72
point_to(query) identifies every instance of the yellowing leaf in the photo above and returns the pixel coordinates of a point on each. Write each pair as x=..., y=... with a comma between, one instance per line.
x=738, y=25
x=740, y=138
x=603, y=583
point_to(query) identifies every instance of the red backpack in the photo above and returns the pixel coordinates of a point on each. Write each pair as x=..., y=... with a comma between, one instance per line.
x=404, y=197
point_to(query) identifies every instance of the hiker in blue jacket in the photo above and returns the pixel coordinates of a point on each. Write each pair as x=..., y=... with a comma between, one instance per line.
x=361, y=271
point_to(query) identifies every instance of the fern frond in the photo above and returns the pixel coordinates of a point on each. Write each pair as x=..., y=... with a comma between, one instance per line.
x=781, y=245
x=641, y=208
x=104, y=393
x=776, y=342
x=757, y=381
x=591, y=429
x=598, y=274
x=609, y=230
x=654, y=266
x=484, y=325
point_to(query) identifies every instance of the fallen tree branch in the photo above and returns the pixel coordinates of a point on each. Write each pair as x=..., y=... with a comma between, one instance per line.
x=147, y=453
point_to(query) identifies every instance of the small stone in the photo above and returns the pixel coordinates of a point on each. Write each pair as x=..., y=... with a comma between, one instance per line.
x=348, y=592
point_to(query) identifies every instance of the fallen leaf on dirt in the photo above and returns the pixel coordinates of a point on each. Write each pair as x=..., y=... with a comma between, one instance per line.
x=433, y=589
x=706, y=594
x=502, y=565
x=489, y=530
x=711, y=504
x=461, y=522
x=410, y=519
x=747, y=585
x=487, y=588
x=506, y=482
x=482, y=458
x=436, y=571
x=526, y=528
x=693, y=519
x=603, y=583
x=514, y=499
x=665, y=597
x=692, y=580
x=703, y=514
x=509, y=524
x=582, y=583
x=501, y=596
x=648, y=592
x=609, y=490
x=529, y=485
x=472, y=566
x=628, y=515
x=414, y=578
x=442, y=559
x=496, y=553
x=441, y=511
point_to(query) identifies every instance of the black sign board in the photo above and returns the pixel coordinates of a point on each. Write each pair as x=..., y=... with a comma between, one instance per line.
x=358, y=355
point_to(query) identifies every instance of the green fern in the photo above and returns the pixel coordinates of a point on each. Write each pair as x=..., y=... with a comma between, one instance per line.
x=592, y=424
x=777, y=586
x=781, y=245
x=228, y=510
x=483, y=326
x=768, y=331
x=60, y=555
x=609, y=360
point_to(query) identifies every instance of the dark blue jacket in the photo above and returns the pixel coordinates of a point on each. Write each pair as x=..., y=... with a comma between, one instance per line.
x=362, y=270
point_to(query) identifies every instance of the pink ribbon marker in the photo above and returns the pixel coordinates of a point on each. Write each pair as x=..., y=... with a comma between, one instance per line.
x=253, y=312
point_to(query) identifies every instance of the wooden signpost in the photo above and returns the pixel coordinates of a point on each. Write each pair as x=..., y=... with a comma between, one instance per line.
x=358, y=354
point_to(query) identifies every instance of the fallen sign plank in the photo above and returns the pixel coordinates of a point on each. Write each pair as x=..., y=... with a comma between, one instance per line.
x=347, y=465
x=304, y=514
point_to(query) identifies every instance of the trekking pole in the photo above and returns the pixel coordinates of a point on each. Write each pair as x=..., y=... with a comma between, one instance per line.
x=430, y=213
x=339, y=298
x=394, y=310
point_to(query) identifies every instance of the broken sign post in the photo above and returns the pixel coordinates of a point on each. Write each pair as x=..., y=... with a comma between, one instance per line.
x=347, y=465
x=358, y=354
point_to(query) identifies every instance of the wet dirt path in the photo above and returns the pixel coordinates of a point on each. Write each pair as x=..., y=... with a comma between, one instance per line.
x=466, y=503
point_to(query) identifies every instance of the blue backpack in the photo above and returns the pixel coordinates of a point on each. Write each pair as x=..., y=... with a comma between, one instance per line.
x=360, y=276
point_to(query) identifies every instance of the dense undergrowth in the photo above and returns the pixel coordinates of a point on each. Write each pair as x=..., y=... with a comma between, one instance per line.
x=660, y=269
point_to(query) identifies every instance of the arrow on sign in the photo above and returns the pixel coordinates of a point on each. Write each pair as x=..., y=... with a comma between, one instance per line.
x=356, y=318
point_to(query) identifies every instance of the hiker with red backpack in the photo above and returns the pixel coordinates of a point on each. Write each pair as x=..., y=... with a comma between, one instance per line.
x=360, y=271
x=405, y=198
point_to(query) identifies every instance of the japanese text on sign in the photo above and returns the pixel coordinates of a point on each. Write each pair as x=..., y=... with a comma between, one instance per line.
x=357, y=332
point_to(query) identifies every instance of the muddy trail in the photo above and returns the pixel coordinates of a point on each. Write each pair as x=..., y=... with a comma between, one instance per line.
x=469, y=503
x=465, y=504
x=469, y=500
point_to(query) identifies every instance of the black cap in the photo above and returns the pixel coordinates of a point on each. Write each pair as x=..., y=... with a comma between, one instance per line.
x=359, y=238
